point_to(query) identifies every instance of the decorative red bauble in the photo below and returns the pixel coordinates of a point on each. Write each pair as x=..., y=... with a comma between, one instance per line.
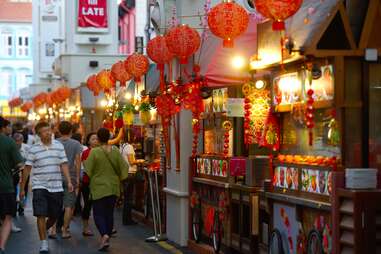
x=158, y=51
x=120, y=73
x=183, y=42
x=277, y=10
x=228, y=20
x=106, y=80
x=26, y=106
x=137, y=65
x=93, y=85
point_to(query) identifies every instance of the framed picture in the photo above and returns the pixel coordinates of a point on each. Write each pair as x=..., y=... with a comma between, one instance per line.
x=287, y=89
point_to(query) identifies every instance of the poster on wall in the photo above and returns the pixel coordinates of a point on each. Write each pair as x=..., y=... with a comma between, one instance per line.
x=220, y=97
x=92, y=16
x=286, y=177
x=316, y=181
x=285, y=221
x=287, y=89
x=324, y=86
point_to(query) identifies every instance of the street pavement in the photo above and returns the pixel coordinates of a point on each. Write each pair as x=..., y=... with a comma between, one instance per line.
x=128, y=240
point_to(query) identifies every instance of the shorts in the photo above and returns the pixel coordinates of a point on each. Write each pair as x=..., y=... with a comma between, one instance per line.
x=69, y=198
x=7, y=204
x=47, y=204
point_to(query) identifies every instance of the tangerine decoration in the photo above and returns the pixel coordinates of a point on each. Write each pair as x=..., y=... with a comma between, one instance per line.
x=119, y=73
x=277, y=10
x=158, y=51
x=228, y=20
x=183, y=42
x=93, y=85
x=26, y=106
x=106, y=80
x=137, y=65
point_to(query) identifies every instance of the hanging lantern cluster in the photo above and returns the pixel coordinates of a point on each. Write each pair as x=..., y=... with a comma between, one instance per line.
x=61, y=95
x=120, y=73
x=25, y=107
x=137, y=65
x=183, y=41
x=15, y=102
x=106, y=80
x=227, y=126
x=228, y=20
x=277, y=10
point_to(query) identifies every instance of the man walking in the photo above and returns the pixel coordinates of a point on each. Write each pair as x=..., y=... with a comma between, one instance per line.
x=47, y=158
x=73, y=151
x=10, y=158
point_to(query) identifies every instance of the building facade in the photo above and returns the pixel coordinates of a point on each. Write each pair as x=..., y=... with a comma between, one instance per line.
x=16, y=62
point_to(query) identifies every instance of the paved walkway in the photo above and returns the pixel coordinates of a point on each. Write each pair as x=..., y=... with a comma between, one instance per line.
x=129, y=240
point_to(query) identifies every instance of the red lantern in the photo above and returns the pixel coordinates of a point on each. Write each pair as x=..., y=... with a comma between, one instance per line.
x=15, y=102
x=277, y=10
x=228, y=20
x=26, y=106
x=183, y=42
x=119, y=72
x=39, y=99
x=93, y=85
x=137, y=65
x=49, y=100
x=106, y=80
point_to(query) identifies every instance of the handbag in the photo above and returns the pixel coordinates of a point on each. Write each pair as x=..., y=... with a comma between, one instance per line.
x=123, y=173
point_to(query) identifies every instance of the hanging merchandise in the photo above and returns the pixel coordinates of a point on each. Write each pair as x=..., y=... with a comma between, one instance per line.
x=277, y=10
x=333, y=130
x=183, y=42
x=248, y=137
x=15, y=102
x=144, y=111
x=106, y=81
x=227, y=126
x=158, y=51
x=309, y=114
x=137, y=65
x=26, y=106
x=119, y=73
x=93, y=85
x=228, y=20
x=271, y=133
x=128, y=114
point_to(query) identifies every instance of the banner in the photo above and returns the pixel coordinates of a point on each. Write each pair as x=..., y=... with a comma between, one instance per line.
x=92, y=14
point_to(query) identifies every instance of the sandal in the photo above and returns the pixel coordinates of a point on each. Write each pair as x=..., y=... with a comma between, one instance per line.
x=87, y=233
x=68, y=236
x=52, y=236
x=105, y=243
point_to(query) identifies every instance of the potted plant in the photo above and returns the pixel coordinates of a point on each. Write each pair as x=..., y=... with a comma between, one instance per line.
x=145, y=114
x=128, y=114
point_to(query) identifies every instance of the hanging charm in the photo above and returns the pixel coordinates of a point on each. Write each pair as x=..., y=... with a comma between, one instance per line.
x=227, y=126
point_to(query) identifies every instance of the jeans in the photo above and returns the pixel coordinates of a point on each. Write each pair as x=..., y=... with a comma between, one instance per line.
x=103, y=210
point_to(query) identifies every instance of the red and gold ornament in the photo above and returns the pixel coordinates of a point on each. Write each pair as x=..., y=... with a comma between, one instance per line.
x=106, y=80
x=227, y=126
x=271, y=133
x=137, y=65
x=310, y=115
x=228, y=20
x=248, y=137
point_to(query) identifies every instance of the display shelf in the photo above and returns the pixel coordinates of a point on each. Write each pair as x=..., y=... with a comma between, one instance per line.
x=300, y=201
x=212, y=182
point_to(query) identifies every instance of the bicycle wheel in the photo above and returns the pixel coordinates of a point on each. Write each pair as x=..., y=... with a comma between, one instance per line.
x=315, y=242
x=276, y=243
x=196, y=224
x=217, y=233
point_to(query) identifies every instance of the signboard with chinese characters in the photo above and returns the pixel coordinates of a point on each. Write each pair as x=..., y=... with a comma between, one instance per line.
x=92, y=15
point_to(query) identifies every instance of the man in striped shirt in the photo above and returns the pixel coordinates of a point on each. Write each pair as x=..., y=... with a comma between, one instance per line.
x=47, y=158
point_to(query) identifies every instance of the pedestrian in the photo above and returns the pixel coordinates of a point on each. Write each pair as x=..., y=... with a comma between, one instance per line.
x=106, y=168
x=48, y=162
x=91, y=142
x=73, y=151
x=10, y=158
x=78, y=207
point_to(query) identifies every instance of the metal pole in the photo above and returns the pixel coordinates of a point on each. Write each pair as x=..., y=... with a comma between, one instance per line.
x=158, y=204
x=155, y=237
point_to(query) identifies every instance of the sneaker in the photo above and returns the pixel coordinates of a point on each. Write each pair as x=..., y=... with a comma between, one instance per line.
x=15, y=229
x=44, y=248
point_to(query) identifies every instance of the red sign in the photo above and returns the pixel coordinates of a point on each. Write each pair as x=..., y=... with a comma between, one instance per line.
x=92, y=13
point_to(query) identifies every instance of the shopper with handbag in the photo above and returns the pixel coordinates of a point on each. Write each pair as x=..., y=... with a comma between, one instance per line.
x=106, y=168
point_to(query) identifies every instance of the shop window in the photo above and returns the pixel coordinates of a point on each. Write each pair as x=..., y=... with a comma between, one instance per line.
x=6, y=43
x=22, y=45
x=6, y=76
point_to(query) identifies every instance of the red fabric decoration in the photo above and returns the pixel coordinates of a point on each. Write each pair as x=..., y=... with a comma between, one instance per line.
x=228, y=20
x=93, y=85
x=137, y=65
x=26, y=106
x=209, y=220
x=183, y=42
x=106, y=80
x=39, y=99
x=271, y=133
x=158, y=51
x=119, y=73
x=277, y=10
x=15, y=102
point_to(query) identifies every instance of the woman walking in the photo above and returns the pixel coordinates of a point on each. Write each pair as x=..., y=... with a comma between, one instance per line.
x=106, y=168
x=91, y=142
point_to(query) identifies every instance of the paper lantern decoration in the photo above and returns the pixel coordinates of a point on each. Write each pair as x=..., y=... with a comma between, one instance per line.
x=183, y=42
x=26, y=106
x=39, y=99
x=49, y=100
x=119, y=72
x=15, y=102
x=137, y=65
x=228, y=20
x=93, y=85
x=106, y=80
x=277, y=10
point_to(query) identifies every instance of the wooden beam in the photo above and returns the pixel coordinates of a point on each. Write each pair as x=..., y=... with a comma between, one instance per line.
x=373, y=8
x=347, y=26
x=323, y=27
x=335, y=52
